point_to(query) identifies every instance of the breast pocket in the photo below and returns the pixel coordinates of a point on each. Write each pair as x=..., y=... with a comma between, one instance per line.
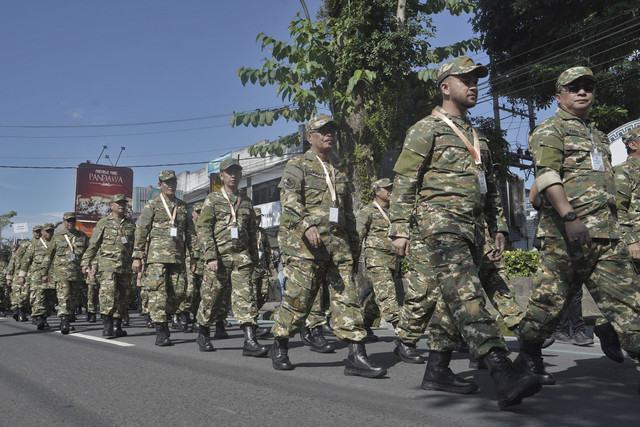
x=315, y=189
x=448, y=155
x=577, y=152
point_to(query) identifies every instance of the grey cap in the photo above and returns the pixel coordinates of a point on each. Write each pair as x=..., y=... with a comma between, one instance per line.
x=632, y=135
x=575, y=73
x=69, y=215
x=48, y=226
x=382, y=183
x=318, y=121
x=118, y=198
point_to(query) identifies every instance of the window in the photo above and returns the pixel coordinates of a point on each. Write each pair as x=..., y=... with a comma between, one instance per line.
x=266, y=192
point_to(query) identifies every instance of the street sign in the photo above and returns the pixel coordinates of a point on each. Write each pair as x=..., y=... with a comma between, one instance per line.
x=21, y=227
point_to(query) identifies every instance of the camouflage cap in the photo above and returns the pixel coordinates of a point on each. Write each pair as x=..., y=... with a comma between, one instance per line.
x=69, y=215
x=37, y=228
x=460, y=65
x=382, y=183
x=197, y=206
x=257, y=211
x=118, y=198
x=630, y=136
x=227, y=163
x=318, y=121
x=574, y=73
x=48, y=226
x=166, y=175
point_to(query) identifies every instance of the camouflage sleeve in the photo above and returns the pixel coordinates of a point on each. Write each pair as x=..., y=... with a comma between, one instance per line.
x=363, y=223
x=350, y=223
x=267, y=251
x=143, y=228
x=253, y=233
x=25, y=262
x=94, y=244
x=191, y=239
x=48, y=257
x=496, y=222
x=547, y=146
x=629, y=221
x=205, y=233
x=291, y=196
x=409, y=168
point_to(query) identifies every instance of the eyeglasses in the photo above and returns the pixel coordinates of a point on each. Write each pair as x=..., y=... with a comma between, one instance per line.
x=575, y=87
x=325, y=130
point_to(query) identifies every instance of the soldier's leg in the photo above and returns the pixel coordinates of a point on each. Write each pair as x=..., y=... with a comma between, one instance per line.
x=92, y=298
x=196, y=299
x=243, y=299
x=176, y=287
x=385, y=291
x=107, y=292
x=63, y=290
x=212, y=297
x=185, y=306
x=317, y=314
x=123, y=294
x=38, y=307
x=495, y=283
x=346, y=314
x=155, y=279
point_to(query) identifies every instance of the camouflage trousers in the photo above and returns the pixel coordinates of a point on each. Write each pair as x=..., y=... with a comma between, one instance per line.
x=444, y=279
x=43, y=301
x=320, y=310
x=93, y=297
x=260, y=279
x=214, y=294
x=384, y=292
x=20, y=295
x=304, y=278
x=191, y=302
x=114, y=293
x=5, y=296
x=606, y=271
x=69, y=295
x=166, y=287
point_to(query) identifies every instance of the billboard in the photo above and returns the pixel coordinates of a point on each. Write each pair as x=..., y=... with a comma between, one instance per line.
x=95, y=184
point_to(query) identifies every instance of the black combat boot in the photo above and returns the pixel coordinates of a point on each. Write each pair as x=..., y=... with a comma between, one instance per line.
x=279, y=353
x=530, y=360
x=476, y=363
x=438, y=376
x=408, y=352
x=39, y=322
x=107, y=329
x=204, y=339
x=327, y=329
x=358, y=363
x=262, y=332
x=162, y=334
x=512, y=385
x=221, y=331
x=16, y=315
x=125, y=319
x=117, y=325
x=64, y=324
x=318, y=342
x=72, y=318
x=175, y=323
x=251, y=346
x=183, y=321
x=148, y=321
x=91, y=317
x=305, y=335
x=23, y=316
x=609, y=342
x=371, y=337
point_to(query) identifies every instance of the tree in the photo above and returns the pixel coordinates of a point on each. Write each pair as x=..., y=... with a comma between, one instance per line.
x=359, y=60
x=530, y=42
x=5, y=221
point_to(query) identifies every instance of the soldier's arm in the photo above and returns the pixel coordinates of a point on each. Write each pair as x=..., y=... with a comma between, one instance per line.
x=363, y=224
x=267, y=251
x=253, y=233
x=25, y=262
x=205, y=231
x=496, y=222
x=48, y=257
x=292, y=196
x=190, y=238
x=94, y=245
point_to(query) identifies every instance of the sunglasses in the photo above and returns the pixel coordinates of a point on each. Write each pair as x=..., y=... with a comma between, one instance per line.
x=575, y=87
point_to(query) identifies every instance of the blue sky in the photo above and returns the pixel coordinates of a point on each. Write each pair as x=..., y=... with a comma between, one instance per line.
x=87, y=63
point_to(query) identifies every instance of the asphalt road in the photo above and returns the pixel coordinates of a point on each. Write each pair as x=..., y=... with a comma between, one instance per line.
x=82, y=379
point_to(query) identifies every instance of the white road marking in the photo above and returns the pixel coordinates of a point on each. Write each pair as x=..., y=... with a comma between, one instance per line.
x=90, y=337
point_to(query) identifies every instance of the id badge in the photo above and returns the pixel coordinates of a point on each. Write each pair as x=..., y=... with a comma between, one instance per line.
x=597, y=163
x=173, y=232
x=333, y=214
x=234, y=232
x=123, y=239
x=482, y=180
x=73, y=257
x=259, y=254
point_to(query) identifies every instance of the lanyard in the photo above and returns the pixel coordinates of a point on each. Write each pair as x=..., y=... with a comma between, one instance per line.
x=118, y=224
x=172, y=218
x=475, y=149
x=328, y=179
x=233, y=209
x=593, y=142
x=70, y=242
x=382, y=212
x=43, y=243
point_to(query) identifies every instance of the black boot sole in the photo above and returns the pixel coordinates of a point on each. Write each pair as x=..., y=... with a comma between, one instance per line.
x=351, y=370
x=525, y=387
x=406, y=359
x=324, y=350
x=255, y=353
x=471, y=388
x=281, y=366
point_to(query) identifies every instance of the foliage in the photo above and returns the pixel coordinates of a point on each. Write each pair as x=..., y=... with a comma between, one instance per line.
x=498, y=145
x=520, y=263
x=530, y=42
x=5, y=219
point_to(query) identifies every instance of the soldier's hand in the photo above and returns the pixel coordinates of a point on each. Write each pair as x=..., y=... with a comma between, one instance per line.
x=45, y=278
x=634, y=249
x=92, y=277
x=498, y=248
x=401, y=245
x=577, y=233
x=136, y=266
x=85, y=269
x=213, y=265
x=313, y=236
x=21, y=280
x=9, y=281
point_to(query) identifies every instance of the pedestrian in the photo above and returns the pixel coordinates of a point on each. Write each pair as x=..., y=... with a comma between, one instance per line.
x=445, y=184
x=320, y=246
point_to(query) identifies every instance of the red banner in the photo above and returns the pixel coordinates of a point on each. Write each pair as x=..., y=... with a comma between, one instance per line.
x=95, y=184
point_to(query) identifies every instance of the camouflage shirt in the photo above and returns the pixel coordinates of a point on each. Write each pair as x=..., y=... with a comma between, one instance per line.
x=438, y=180
x=264, y=248
x=32, y=263
x=562, y=148
x=153, y=240
x=215, y=227
x=627, y=176
x=374, y=236
x=60, y=261
x=107, y=247
x=14, y=263
x=306, y=201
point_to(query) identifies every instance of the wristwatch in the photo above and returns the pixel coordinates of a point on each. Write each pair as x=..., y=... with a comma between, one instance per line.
x=569, y=216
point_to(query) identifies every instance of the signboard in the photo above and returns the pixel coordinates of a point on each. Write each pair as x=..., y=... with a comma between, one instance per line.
x=271, y=214
x=618, y=150
x=95, y=184
x=214, y=165
x=20, y=227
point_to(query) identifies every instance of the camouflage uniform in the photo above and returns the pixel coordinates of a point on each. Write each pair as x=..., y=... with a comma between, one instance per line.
x=235, y=256
x=32, y=264
x=19, y=293
x=261, y=271
x=5, y=290
x=62, y=265
x=562, y=146
x=380, y=258
x=438, y=181
x=164, y=278
x=306, y=200
x=113, y=258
